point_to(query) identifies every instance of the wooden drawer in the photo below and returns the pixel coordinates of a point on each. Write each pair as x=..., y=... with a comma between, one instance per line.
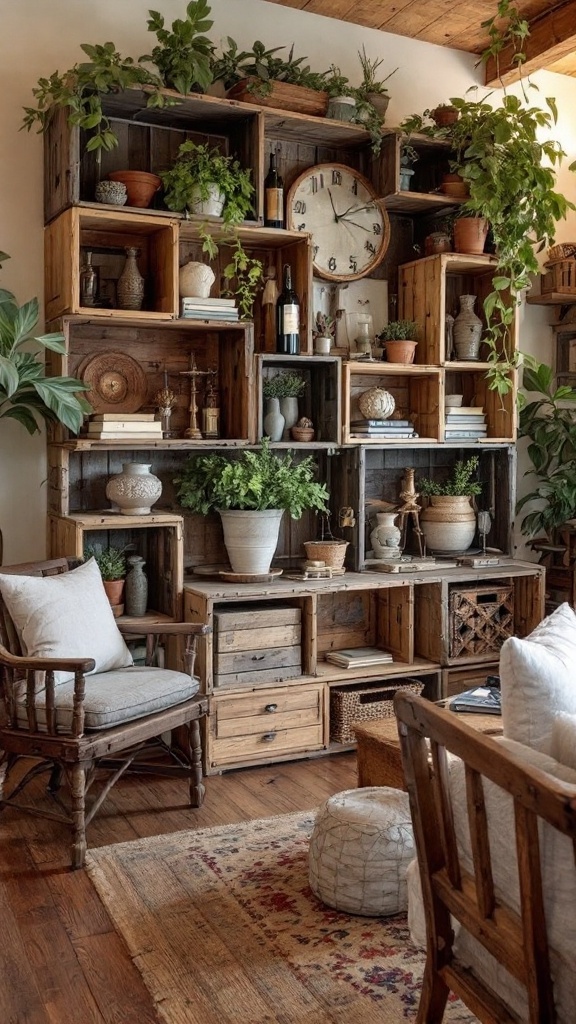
x=261, y=725
x=455, y=680
x=260, y=644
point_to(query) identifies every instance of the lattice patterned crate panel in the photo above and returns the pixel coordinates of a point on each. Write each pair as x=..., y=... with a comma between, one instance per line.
x=359, y=703
x=481, y=619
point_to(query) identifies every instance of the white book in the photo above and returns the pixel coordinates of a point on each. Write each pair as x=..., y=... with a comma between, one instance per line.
x=195, y=300
x=126, y=426
x=124, y=435
x=106, y=417
x=464, y=410
x=359, y=657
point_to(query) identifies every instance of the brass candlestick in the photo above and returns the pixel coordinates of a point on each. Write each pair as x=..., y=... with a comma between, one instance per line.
x=193, y=431
x=210, y=410
x=166, y=399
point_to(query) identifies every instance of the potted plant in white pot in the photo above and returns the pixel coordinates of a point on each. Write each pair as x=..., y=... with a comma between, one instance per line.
x=205, y=181
x=251, y=494
x=449, y=521
x=286, y=387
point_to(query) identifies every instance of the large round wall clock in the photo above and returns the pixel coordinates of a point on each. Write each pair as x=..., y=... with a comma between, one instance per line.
x=348, y=222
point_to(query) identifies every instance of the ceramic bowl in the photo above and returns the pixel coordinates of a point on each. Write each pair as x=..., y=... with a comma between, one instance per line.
x=111, y=192
x=453, y=401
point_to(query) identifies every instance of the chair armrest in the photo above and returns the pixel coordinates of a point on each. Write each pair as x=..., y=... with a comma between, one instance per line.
x=46, y=664
x=169, y=628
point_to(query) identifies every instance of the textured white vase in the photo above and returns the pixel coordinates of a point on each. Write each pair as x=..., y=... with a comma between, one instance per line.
x=195, y=280
x=448, y=524
x=251, y=538
x=134, y=490
x=385, y=537
x=274, y=421
x=210, y=207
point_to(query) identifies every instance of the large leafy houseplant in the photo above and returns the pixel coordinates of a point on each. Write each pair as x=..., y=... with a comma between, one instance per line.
x=26, y=394
x=183, y=55
x=198, y=168
x=511, y=173
x=549, y=422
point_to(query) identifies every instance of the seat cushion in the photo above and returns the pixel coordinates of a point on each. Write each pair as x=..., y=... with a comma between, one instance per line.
x=65, y=616
x=538, y=679
x=116, y=697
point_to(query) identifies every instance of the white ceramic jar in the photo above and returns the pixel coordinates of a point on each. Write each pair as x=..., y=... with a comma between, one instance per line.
x=134, y=490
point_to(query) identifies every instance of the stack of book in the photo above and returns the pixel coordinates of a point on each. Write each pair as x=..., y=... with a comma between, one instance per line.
x=466, y=423
x=389, y=430
x=359, y=657
x=193, y=308
x=118, y=426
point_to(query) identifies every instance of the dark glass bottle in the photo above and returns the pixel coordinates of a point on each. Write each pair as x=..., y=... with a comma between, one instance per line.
x=273, y=197
x=288, y=317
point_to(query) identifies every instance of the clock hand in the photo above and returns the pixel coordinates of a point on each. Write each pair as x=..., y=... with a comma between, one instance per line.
x=336, y=217
x=356, y=209
x=355, y=223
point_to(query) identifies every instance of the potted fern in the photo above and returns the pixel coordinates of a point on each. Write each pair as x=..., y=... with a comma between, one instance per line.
x=448, y=521
x=251, y=494
x=203, y=180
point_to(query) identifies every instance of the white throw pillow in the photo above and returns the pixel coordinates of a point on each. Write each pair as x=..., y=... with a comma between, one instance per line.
x=563, y=740
x=66, y=616
x=538, y=679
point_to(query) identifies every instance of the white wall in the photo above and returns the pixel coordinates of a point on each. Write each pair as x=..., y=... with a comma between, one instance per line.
x=39, y=37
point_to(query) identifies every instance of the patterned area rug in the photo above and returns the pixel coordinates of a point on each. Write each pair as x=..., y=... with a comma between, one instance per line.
x=224, y=929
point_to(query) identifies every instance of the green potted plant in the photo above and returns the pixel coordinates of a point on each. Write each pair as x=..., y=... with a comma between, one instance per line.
x=399, y=340
x=113, y=567
x=283, y=388
x=342, y=95
x=26, y=393
x=183, y=55
x=449, y=521
x=372, y=88
x=549, y=422
x=251, y=493
x=261, y=76
x=203, y=180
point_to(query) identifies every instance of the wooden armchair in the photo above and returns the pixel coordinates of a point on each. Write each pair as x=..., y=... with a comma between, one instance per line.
x=518, y=938
x=100, y=721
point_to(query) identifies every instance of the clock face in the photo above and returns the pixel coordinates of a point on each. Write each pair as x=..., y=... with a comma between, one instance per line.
x=349, y=225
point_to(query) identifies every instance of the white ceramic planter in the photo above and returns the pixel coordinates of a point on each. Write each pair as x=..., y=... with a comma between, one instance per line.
x=134, y=490
x=251, y=538
x=448, y=524
x=211, y=207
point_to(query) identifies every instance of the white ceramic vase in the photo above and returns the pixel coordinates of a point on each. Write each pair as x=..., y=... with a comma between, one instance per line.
x=195, y=280
x=289, y=410
x=274, y=421
x=448, y=524
x=385, y=537
x=134, y=490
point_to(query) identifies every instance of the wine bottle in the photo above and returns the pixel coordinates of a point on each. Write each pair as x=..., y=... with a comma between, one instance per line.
x=273, y=197
x=288, y=317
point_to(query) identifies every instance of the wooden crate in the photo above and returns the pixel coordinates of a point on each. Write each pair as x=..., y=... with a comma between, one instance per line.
x=429, y=289
x=320, y=401
x=559, y=278
x=166, y=348
x=273, y=249
x=157, y=537
x=417, y=391
x=480, y=619
x=148, y=140
x=374, y=617
x=107, y=232
x=259, y=644
x=361, y=703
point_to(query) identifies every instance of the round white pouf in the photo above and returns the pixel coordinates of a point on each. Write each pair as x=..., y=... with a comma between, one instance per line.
x=361, y=845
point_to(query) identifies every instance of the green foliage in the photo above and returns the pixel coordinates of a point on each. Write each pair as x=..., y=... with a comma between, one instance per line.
x=338, y=84
x=244, y=273
x=111, y=561
x=399, y=330
x=183, y=56
x=285, y=384
x=26, y=394
x=550, y=424
x=198, y=167
x=370, y=82
x=511, y=173
x=256, y=480
x=80, y=89
x=459, y=483
x=264, y=67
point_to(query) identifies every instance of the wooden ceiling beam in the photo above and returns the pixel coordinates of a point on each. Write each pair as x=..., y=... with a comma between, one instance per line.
x=552, y=36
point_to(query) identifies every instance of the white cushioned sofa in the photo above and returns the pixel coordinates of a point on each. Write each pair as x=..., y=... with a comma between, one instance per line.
x=538, y=681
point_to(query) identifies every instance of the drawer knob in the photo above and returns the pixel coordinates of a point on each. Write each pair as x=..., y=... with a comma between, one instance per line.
x=270, y=708
x=269, y=737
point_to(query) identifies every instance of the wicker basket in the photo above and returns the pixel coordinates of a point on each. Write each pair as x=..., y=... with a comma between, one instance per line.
x=562, y=251
x=331, y=552
x=359, y=703
x=560, y=277
x=481, y=619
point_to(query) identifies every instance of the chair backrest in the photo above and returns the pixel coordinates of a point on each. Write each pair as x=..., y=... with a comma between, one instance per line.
x=518, y=941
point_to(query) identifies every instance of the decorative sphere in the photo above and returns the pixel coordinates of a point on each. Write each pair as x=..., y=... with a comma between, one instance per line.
x=376, y=404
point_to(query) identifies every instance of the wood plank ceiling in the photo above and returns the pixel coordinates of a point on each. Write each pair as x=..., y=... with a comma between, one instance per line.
x=551, y=45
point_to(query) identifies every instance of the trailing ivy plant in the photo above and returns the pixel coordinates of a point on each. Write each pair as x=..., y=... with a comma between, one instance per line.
x=80, y=89
x=550, y=424
x=183, y=55
x=244, y=273
x=511, y=173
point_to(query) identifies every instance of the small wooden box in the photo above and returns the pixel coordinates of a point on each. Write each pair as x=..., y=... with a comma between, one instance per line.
x=481, y=618
x=320, y=400
x=259, y=644
x=560, y=278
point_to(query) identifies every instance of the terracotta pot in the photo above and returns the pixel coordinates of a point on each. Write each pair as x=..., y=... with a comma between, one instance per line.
x=114, y=590
x=400, y=351
x=140, y=186
x=470, y=235
x=444, y=116
x=454, y=185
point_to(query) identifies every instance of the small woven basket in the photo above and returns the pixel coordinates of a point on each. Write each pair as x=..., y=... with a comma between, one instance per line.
x=331, y=552
x=351, y=705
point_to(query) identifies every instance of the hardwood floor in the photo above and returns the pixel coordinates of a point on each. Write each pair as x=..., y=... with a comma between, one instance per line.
x=61, y=962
